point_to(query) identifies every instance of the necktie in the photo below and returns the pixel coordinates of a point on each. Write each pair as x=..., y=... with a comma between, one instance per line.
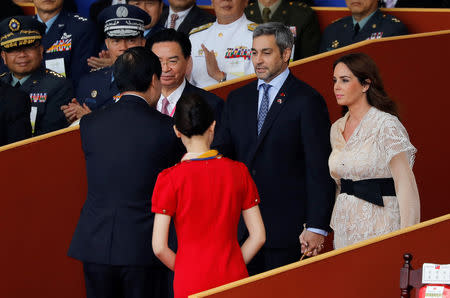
x=264, y=108
x=356, y=28
x=17, y=85
x=265, y=14
x=173, y=19
x=165, y=106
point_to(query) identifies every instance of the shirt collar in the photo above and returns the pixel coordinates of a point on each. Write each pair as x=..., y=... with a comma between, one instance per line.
x=22, y=81
x=49, y=23
x=272, y=8
x=175, y=95
x=363, y=21
x=237, y=23
x=181, y=14
x=277, y=82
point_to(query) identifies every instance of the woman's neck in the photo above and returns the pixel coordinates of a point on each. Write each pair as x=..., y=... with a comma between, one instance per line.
x=357, y=111
x=197, y=144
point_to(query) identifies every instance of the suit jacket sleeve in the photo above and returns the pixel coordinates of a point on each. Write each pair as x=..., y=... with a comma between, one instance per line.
x=17, y=126
x=222, y=139
x=315, y=134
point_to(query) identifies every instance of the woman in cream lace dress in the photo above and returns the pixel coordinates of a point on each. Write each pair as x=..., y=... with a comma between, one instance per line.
x=371, y=159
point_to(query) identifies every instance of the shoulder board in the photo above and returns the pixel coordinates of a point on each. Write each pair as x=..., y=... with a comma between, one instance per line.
x=252, y=26
x=53, y=73
x=3, y=74
x=80, y=18
x=201, y=28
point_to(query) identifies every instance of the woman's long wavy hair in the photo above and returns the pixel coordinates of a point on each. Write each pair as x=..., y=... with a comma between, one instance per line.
x=365, y=69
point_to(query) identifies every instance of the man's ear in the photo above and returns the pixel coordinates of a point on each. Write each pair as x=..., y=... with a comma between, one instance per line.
x=177, y=133
x=287, y=55
x=4, y=57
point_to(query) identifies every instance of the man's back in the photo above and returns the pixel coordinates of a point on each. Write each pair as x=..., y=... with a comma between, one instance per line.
x=126, y=145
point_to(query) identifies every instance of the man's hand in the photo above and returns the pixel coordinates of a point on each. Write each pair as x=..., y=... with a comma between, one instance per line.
x=74, y=111
x=311, y=243
x=103, y=60
x=211, y=65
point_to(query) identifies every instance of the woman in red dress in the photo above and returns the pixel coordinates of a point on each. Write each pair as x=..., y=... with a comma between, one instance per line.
x=205, y=194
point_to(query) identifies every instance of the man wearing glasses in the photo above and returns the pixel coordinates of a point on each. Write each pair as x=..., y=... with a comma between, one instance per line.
x=173, y=49
x=22, y=53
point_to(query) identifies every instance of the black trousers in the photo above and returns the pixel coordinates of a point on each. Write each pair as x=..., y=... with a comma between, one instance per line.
x=107, y=281
x=271, y=258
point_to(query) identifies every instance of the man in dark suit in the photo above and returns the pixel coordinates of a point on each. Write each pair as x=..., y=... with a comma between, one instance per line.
x=126, y=145
x=69, y=39
x=185, y=15
x=279, y=127
x=366, y=22
x=173, y=49
x=48, y=90
x=298, y=16
x=14, y=115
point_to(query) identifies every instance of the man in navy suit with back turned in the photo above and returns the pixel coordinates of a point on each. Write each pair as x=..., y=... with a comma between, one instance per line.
x=279, y=127
x=173, y=49
x=126, y=145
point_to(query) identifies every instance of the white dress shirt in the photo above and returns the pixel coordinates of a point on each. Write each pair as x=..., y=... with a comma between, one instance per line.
x=172, y=98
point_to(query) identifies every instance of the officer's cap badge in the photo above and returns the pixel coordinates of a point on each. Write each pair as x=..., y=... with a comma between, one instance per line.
x=94, y=93
x=14, y=25
x=122, y=12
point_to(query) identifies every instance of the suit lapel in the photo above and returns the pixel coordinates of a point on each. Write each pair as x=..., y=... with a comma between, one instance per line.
x=190, y=17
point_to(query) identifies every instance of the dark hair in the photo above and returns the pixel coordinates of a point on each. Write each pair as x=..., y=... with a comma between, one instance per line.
x=283, y=35
x=364, y=68
x=193, y=115
x=171, y=35
x=134, y=69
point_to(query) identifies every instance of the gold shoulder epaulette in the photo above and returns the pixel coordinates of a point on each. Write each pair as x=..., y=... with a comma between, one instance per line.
x=3, y=74
x=96, y=69
x=201, y=28
x=54, y=73
x=252, y=26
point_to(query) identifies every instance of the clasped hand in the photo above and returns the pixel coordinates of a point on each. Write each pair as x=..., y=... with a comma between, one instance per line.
x=311, y=243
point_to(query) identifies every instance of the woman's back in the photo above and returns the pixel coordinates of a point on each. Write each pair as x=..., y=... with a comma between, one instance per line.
x=206, y=196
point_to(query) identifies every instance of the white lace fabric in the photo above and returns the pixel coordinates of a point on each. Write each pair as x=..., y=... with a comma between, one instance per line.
x=366, y=155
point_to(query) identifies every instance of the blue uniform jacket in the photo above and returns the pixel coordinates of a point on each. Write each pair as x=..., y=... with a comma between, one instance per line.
x=97, y=89
x=73, y=38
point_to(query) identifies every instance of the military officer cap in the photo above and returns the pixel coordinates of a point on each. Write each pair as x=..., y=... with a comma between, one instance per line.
x=20, y=31
x=123, y=20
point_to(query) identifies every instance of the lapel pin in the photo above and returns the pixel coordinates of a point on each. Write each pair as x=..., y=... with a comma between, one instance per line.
x=282, y=94
x=279, y=100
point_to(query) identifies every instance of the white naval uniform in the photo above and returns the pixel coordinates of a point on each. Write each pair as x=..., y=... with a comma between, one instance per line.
x=232, y=44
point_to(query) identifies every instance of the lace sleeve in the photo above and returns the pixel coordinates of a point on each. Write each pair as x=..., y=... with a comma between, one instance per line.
x=395, y=139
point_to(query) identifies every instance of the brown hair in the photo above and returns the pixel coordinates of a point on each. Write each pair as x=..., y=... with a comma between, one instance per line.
x=365, y=69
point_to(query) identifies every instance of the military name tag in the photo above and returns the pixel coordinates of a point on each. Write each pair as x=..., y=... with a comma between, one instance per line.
x=38, y=97
x=33, y=115
x=57, y=65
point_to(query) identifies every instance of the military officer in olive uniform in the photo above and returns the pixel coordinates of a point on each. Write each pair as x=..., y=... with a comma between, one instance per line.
x=124, y=27
x=366, y=22
x=298, y=16
x=69, y=39
x=22, y=53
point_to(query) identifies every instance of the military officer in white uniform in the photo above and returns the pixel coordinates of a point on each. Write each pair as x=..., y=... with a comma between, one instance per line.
x=222, y=50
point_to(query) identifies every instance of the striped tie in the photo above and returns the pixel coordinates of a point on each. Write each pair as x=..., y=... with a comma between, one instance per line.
x=173, y=19
x=165, y=106
x=264, y=108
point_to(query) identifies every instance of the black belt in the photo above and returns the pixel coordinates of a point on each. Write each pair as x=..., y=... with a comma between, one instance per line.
x=370, y=190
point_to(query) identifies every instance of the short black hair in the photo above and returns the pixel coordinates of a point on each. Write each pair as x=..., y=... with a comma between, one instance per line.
x=171, y=35
x=193, y=115
x=134, y=69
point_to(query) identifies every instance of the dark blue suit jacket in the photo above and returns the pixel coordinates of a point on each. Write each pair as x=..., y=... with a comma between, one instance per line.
x=288, y=160
x=80, y=34
x=213, y=100
x=126, y=145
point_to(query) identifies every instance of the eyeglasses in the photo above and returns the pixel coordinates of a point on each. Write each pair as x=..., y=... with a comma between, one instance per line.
x=169, y=63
